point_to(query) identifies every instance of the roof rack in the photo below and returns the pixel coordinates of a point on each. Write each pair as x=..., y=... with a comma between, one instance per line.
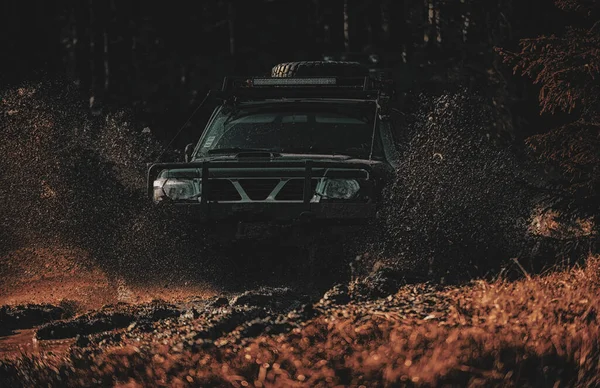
x=300, y=87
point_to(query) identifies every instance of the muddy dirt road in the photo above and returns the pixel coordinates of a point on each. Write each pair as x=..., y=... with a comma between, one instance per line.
x=62, y=338
x=59, y=306
x=380, y=329
x=537, y=332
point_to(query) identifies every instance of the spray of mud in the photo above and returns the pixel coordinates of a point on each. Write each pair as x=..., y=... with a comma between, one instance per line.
x=74, y=217
x=456, y=208
x=73, y=201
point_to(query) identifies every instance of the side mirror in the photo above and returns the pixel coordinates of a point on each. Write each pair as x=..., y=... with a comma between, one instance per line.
x=189, y=150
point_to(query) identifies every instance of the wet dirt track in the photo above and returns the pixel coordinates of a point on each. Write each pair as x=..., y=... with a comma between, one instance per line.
x=194, y=325
x=358, y=333
x=56, y=301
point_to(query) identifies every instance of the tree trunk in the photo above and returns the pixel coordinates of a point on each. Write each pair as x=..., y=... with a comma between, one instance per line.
x=385, y=21
x=231, y=24
x=374, y=23
x=318, y=25
x=432, y=37
x=401, y=39
x=73, y=42
x=346, y=27
x=106, y=61
x=452, y=29
x=92, y=56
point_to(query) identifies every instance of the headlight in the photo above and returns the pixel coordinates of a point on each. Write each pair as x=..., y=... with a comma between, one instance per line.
x=176, y=189
x=338, y=188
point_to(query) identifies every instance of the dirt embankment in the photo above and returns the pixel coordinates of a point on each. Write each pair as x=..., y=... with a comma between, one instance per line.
x=533, y=332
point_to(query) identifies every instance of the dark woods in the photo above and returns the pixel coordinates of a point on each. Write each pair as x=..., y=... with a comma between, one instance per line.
x=159, y=59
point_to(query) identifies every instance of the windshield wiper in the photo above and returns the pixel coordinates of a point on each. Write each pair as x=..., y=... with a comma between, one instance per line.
x=353, y=154
x=236, y=150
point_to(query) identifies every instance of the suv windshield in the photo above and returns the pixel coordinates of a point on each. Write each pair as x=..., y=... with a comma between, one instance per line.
x=305, y=127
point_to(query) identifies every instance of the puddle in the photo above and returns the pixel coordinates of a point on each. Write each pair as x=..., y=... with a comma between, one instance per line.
x=24, y=342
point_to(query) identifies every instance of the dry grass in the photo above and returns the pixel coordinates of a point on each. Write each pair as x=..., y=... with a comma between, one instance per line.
x=555, y=224
x=538, y=332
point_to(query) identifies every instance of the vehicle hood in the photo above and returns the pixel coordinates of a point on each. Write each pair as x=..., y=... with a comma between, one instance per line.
x=380, y=168
x=295, y=157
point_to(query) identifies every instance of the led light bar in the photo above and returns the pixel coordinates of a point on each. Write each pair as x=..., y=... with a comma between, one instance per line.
x=292, y=87
x=294, y=81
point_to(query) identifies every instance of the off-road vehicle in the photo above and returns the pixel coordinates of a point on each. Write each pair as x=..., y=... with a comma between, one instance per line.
x=312, y=143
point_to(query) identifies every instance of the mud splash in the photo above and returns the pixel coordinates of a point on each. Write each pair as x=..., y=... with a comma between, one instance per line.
x=69, y=276
x=458, y=207
x=53, y=275
x=81, y=186
x=75, y=223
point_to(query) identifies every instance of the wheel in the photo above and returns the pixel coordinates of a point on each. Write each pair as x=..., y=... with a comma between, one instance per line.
x=319, y=68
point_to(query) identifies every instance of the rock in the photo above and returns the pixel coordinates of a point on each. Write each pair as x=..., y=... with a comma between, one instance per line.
x=217, y=301
x=224, y=323
x=383, y=281
x=265, y=297
x=254, y=328
x=337, y=295
x=307, y=311
x=82, y=341
x=106, y=338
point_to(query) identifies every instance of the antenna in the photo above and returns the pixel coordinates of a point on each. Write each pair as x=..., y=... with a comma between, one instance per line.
x=374, y=131
x=183, y=126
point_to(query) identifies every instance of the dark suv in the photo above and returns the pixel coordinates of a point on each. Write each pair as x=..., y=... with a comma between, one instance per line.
x=285, y=149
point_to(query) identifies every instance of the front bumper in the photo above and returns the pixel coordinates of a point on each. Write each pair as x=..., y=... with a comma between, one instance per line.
x=283, y=213
x=213, y=206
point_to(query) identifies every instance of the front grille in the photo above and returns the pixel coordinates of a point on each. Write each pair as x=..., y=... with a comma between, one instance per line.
x=258, y=189
x=294, y=190
x=222, y=190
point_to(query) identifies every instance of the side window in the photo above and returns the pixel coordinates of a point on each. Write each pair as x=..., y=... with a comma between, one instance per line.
x=392, y=144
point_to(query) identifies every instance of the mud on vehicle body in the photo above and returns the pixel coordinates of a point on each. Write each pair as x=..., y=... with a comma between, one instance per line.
x=286, y=149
